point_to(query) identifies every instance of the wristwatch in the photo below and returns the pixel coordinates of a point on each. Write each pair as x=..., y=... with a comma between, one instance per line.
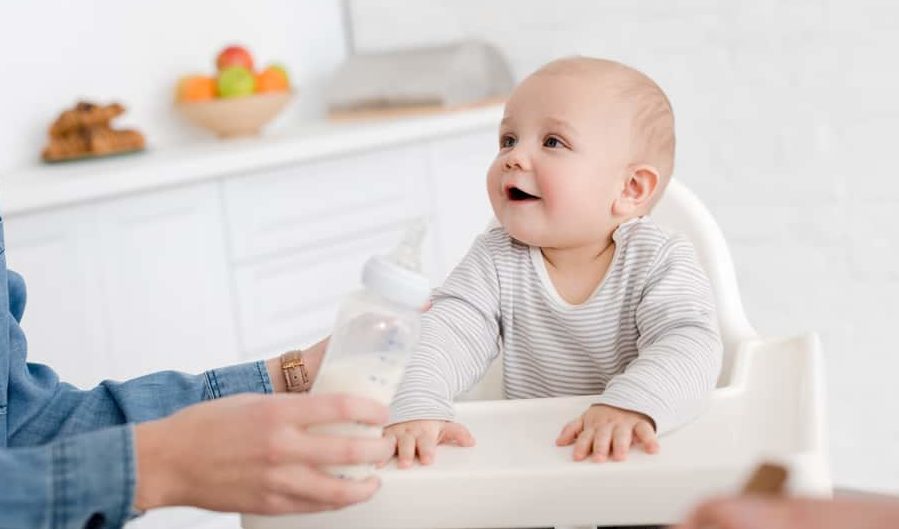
x=295, y=373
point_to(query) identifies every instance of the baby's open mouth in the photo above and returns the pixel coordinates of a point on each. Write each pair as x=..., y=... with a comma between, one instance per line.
x=516, y=194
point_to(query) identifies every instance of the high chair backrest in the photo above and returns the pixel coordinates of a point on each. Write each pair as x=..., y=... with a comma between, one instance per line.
x=679, y=211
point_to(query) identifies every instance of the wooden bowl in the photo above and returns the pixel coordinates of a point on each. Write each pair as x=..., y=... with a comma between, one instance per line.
x=236, y=116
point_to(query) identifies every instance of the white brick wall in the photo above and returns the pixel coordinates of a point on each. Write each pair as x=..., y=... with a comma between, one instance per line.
x=787, y=115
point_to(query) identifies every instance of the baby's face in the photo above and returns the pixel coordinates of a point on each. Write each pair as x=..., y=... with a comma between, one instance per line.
x=563, y=155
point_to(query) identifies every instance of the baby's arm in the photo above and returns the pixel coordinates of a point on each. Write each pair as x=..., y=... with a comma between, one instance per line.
x=459, y=340
x=679, y=356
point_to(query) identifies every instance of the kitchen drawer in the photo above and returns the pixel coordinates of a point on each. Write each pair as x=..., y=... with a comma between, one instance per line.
x=294, y=207
x=292, y=301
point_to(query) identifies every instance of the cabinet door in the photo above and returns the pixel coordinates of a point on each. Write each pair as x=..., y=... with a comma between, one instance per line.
x=294, y=208
x=164, y=267
x=63, y=318
x=459, y=181
x=126, y=287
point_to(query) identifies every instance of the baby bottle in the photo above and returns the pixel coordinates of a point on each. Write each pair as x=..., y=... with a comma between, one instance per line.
x=377, y=329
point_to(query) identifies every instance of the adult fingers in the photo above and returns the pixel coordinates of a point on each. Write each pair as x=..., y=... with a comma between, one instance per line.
x=739, y=513
x=320, y=450
x=644, y=433
x=305, y=410
x=305, y=483
x=273, y=504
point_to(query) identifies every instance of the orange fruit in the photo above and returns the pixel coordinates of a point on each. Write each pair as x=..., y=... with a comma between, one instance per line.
x=196, y=88
x=272, y=79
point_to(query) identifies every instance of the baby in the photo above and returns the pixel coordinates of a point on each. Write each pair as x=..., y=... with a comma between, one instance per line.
x=584, y=293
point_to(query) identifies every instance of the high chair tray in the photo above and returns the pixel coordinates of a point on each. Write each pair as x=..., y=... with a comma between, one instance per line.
x=516, y=476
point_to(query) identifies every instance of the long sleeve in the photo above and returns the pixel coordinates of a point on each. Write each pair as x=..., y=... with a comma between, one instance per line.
x=81, y=482
x=459, y=339
x=679, y=348
x=67, y=455
x=42, y=408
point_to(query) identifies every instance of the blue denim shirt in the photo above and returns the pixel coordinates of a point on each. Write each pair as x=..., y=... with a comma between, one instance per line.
x=66, y=455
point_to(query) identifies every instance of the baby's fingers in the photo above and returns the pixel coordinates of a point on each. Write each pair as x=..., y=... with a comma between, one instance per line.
x=457, y=434
x=405, y=449
x=569, y=432
x=601, y=441
x=621, y=442
x=391, y=437
x=583, y=444
x=427, y=446
x=647, y=437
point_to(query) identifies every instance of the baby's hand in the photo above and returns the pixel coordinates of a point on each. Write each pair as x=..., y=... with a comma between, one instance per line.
x=424, y=436
x=602, y=430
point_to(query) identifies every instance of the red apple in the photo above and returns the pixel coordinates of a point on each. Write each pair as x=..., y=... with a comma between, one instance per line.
x=234, y=56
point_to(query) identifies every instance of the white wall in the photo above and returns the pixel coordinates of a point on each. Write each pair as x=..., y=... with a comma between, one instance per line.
x=53, y=52
x=787, y=115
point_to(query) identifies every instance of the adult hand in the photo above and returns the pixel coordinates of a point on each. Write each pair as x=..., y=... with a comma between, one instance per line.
x=750, y=512
x=253, y=453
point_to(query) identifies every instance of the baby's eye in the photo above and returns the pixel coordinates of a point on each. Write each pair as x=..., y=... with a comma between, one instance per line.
x=506, y=142
x=552, y=142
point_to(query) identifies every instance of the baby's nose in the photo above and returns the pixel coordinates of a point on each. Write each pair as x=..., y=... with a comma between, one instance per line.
x=513, y=161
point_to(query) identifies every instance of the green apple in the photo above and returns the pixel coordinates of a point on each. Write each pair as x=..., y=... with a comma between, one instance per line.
x=235, y=81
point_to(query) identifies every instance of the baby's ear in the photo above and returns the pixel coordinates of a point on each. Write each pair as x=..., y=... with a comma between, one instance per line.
x=638, y=192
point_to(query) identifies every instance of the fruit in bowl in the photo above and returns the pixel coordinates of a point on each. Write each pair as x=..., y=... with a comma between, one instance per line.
x=196, y=88
x=238, y=100
x=272, y=79
x=234, y=56
x=236, y=81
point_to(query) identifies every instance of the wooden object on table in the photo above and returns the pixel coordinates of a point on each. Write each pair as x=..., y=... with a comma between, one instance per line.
x=236, y=116
x=418, y=81
x=408, y=111
x=768, y=480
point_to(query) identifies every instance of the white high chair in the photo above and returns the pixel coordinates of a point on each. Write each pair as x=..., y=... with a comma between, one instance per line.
x=769, y=406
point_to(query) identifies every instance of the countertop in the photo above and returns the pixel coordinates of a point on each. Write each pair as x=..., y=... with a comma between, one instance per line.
x=42, y=187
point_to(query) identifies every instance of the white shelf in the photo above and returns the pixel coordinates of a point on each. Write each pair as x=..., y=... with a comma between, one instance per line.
x=49, y=186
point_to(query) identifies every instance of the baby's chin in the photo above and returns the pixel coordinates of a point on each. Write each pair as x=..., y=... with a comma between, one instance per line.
x=526, y=234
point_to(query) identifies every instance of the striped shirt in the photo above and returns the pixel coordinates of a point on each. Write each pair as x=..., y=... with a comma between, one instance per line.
x=646, y=340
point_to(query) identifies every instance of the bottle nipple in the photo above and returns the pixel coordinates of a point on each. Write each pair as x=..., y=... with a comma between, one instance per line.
x=407, y=254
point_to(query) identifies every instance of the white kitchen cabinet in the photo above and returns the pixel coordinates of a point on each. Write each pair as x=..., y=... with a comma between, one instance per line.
x=125, y=287
x=301, y=206
x=163, y=265
x=63, y=321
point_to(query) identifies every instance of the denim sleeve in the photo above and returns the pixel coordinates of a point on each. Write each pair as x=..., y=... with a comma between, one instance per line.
x=84, y=481
x=42, y=408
